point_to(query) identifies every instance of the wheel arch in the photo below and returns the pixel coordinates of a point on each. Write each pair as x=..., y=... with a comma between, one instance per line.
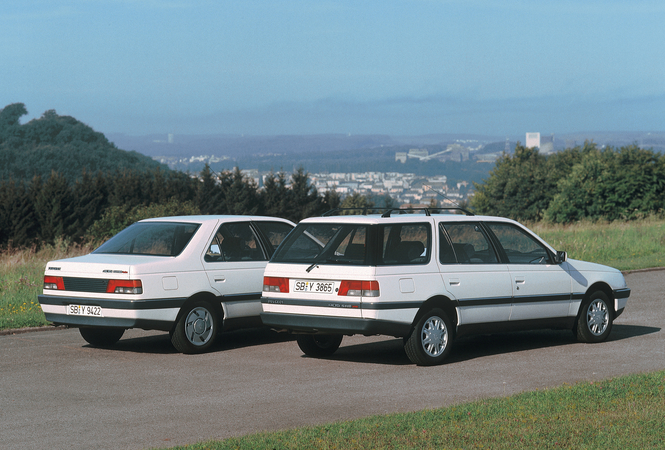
x=442, y=302
x=207, y=297
x=604, y=288
x=597, y=286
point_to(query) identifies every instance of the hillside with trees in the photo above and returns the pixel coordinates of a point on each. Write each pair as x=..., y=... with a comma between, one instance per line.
x=580, y=183
x=61, y=144
x=61, y=180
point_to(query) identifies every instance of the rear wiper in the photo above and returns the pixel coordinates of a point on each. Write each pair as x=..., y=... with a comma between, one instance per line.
x=319, y=260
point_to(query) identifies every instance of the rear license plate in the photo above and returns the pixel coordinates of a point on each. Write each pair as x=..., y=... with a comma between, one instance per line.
x=84, y=310
x=317, y=287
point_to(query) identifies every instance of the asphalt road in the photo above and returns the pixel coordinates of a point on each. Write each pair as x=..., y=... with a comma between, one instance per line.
x=57, y=392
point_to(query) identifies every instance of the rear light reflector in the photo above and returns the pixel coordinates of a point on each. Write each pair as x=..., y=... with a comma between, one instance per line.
x=356, y=288
x=124, y=287
x=275, y=284
x=54, y=283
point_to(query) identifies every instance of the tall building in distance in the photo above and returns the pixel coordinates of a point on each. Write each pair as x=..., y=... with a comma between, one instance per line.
x=532, y=140
x=545, y=143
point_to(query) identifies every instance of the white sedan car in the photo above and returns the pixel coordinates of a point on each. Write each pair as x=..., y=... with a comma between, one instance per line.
x=431, y=278
x=192, y=276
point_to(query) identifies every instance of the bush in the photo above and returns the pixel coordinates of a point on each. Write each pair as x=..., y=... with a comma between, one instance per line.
x=575, y=184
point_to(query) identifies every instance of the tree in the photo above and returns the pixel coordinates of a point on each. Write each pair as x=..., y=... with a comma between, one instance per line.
x=89, y=199
x=304, y=200
x=331, y=200
x=208, y=192
x=128, y=188
x=518, y=186
x=53, y=203
x=10, y=130
x=17, y=216
x=274, y=196
x=240, y=196
x=117, y=218
x=357, y=201
x=10, y=115
x=611, y=184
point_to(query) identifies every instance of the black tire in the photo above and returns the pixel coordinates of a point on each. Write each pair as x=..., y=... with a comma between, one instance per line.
x=101, y=336
x=196, y=329
x=319, y=345
x=430, y=340
x=594, y=321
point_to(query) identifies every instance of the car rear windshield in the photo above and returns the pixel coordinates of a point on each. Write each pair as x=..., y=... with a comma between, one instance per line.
x=151, y=238
x=325, y=243
x=356, y=244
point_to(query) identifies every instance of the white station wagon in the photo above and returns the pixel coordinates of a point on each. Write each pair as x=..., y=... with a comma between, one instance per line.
x=431, y=278
x=191, y=276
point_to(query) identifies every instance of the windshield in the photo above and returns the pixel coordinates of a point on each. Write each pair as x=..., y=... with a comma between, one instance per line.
x=151, y=238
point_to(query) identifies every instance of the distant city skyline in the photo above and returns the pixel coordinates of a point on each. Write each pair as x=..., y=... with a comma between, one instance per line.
x=391, y=67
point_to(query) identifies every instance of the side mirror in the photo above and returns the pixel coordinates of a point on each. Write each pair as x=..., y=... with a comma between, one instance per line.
x=560, y=257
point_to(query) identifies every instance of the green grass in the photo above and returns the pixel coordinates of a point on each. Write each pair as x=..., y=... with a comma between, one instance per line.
x=21, y=281
x=624, y=245
x=621, y=413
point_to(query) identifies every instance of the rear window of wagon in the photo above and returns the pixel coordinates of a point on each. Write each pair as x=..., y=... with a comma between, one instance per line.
x=357, y=244
x=151, y=238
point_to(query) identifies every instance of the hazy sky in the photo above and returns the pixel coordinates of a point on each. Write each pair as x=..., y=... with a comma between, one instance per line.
x=302, y=67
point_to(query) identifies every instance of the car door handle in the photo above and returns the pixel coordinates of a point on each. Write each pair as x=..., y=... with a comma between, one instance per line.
x=220, y=279
x=454, y=281
x=520, y=280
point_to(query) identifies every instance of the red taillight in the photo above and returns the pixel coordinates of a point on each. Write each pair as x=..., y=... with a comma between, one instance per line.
x=356, y=288
x=124, y=287
x=275, y=284
x=54, y=283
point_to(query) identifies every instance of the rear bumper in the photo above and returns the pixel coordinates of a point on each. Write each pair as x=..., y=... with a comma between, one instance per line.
x=303, y=323
x=152, y=314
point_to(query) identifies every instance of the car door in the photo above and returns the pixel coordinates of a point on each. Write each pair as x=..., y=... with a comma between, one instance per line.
x=541, y=289
x=473, y=274
x=234, y=263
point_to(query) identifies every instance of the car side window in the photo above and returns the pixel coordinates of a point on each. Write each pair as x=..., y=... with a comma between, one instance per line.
x=519, y=247
x=406, y=244
x=275, y=232
x=235, y=241
x=470, y=244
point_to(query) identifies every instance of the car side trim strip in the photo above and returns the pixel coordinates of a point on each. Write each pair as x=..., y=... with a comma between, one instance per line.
x=157, y=303
x=414, y=304
x=136, y=304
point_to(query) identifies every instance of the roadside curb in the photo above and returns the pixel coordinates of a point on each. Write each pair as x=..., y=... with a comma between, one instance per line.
x=13, y=331
x=651, y=269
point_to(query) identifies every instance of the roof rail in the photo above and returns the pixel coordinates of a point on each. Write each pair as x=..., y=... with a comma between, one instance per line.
x=429, y=211
x=364, y=211
x=387, y=212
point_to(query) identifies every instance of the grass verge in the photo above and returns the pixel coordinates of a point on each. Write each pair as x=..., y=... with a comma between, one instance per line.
x=21, y=281
x=623, y=245
x=621, y=413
